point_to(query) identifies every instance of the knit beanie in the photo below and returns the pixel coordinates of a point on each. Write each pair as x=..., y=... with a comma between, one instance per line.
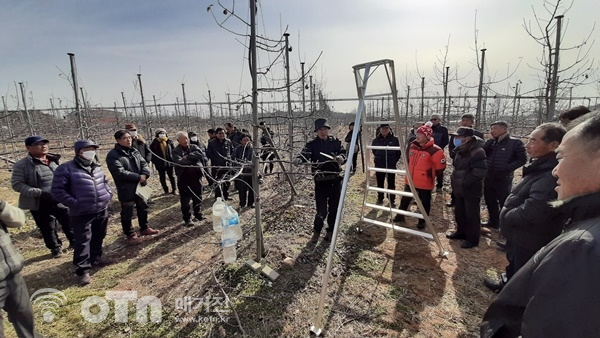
x=426, y=130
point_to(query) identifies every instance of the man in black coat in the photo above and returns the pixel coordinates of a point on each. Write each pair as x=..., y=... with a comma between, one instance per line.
x=243, y=156
x=219, y=152
x=555, y=294
x=128, y=169
x=467, y=180
x=138, y=142
x=233, y=134
x=190, y=160
x=504, y=155
x=386, y=159
x=440, y=138
x=327, y=154
x=466, y=120
x=527, y=220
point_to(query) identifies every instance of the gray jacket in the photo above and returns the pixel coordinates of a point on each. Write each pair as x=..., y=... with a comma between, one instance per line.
x=11, y=262
x=25, y=180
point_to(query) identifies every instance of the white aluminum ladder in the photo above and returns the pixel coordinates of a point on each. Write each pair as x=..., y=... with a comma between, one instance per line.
x=361, y=86
x=362, y=73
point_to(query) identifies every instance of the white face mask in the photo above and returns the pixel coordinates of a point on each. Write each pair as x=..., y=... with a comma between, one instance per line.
x=194, y=138
x=89, y=154
x=162, y=135
x=133, y=133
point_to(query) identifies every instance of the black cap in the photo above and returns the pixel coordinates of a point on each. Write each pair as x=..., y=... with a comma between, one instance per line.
x=211, y=131
x=31, y=140
x=384, y=125
x=463, y=131
x=80, y=144
x=321, y=123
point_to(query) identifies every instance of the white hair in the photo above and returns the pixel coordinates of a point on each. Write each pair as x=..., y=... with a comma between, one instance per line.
x=180, y=133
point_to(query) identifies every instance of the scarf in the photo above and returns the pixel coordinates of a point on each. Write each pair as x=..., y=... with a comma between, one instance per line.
x=163, y=146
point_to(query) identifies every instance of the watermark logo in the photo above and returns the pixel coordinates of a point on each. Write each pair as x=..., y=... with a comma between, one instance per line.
x=121, y=300
x=48, y=301
x=203, y=305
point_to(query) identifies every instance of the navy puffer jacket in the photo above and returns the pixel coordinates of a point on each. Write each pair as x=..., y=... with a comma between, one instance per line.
x=83, y=188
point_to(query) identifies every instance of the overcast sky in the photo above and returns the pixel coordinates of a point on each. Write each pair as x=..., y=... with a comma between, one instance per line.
x=178, y=41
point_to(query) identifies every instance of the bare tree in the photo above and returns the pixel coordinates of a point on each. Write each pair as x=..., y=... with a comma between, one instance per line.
x=545, y=29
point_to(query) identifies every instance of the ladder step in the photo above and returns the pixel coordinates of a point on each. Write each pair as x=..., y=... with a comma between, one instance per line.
x=389, y=191
x=394, y=210
x=379, y=122
x=398, y=228
x=384, y=147
x=389, y=171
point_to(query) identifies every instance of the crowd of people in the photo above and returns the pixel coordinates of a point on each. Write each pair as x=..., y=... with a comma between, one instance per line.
x=549, y=218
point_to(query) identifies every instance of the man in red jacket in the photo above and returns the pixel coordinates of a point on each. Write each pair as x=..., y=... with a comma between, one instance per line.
x=425, y=162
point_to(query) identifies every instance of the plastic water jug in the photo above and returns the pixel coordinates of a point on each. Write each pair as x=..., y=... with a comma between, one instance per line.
x=226, y=225
x=234, y=222
x=229, y=252
x=217, y=209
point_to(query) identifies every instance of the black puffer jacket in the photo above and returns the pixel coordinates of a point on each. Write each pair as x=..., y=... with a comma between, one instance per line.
x=527, y=219
x=386, y=158
x=324, y=168
x=469, y=169
x=190, y=167
x=219, y=152
x=126, y=165
x=504, y=156
x=555, y=294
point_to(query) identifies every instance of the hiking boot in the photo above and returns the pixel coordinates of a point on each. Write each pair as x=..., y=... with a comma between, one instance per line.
x=102, y=262
x=421, y=225
x=133, y=239
x=198, y=218
x=315, y=237
x=175, y=193
x=148, y=231
x=456, y=235
x=85, y=279
x=251, y=206
x=468, y=245
x=328, y=236
x=188, y=223
x=450, y=204
x=494, y=285
x=56, y=252
x=399, y=218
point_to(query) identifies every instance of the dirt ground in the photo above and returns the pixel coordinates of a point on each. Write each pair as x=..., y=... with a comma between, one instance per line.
x=382, y=284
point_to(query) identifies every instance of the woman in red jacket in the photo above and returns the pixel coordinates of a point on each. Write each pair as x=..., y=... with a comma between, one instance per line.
x=425, y=161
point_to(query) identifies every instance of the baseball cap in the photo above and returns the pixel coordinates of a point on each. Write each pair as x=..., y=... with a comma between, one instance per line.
x=31, y=140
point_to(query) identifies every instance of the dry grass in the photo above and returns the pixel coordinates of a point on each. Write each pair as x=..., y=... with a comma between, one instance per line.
x=382, y=284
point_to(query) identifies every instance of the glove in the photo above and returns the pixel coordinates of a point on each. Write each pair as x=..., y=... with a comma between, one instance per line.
x=297, y=161
x=46, y=196
x=339, y=159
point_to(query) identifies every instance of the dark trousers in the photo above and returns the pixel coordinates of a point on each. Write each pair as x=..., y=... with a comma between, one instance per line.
x=495, y=192
x=191, y=190
x=223, y=189
x=466, y=214
x=440, y=180
x=391, y=184
x=45, y=219
x=424, y=196
x=89, y=230
x=127, y=215
x=517, y=257
x=327, y=198
x=267, y=156
x=354, y=162
x=14, y=299
x=244, y=187
x=163, y=172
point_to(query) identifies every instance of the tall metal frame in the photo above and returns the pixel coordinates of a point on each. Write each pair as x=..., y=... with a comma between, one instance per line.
x=362, y=73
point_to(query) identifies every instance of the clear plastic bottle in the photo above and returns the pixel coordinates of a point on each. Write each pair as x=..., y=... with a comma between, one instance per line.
x=229, y=251
x=226, y=227
x=217, y=209
x=234, y=222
